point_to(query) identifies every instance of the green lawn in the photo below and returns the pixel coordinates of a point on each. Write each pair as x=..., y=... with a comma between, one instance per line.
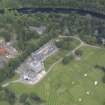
x=3, y=103
x=55, y=57
x=66, y=84
x=16, y=77
x=60, y=54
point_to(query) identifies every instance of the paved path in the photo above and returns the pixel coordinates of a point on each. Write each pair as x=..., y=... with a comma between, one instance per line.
x=58, y=61
x=73, y=51
x=15, y=81
x=81, y=41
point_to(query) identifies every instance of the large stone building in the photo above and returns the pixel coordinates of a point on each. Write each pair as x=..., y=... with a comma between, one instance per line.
x=33, y=68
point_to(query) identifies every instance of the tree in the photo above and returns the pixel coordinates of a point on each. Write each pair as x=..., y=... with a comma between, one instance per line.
x=59, y=44
x=67, y=59
x=23, y=98
x=5, y=35
x=27, y=103
x=11, y=97
x=103, y=79
x=78, y=52
x=35, y=98
x=7, y=95
x=64, y=43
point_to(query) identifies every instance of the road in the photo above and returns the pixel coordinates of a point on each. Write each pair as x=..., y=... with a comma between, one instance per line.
x=82, y=43
x=8, y=83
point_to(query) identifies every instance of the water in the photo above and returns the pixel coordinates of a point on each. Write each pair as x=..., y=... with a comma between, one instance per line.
x=82, y=12
x=61, y=10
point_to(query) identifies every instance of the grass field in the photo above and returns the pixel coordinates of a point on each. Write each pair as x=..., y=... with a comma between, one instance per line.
x=60, y=54
x=55, y=57
x=66, y=84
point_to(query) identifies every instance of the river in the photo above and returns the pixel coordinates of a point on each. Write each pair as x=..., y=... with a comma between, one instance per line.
x=82, y=12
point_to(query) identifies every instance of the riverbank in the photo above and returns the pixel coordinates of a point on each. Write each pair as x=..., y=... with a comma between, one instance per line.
x=82, y=12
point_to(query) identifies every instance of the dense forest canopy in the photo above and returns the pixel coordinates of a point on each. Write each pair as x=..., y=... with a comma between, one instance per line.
x=16, y=26
x=89, y=29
